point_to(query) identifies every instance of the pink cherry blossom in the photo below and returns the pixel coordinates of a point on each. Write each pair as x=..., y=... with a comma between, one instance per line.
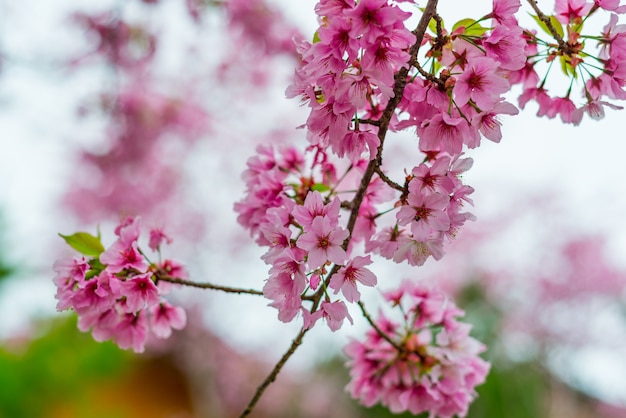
x=504, y=11
x=313, y=207
x=421, y=373
x=332, y=312
x=445, y=133
x=323, y=243
x=567, y=11
x=425, y=213
x=165, y=317
x=157, y=237
x=132, y=331
x=346, y=278
x=481, y=83
x=140, y=292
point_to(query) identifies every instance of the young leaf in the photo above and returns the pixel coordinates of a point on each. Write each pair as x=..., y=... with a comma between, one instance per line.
x=316, y=37
x=553, y=21
x=472, y=27
x=432, y=25
x=320, y=187
x=84, y=243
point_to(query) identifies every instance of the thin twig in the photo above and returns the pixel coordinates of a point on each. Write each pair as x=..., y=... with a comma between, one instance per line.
x=272, y=376
x=385, y=119
x=387, y=180
x=207, y=285
x=428, y=76
x=563, y=46
x=378, y=330
x=369, y=122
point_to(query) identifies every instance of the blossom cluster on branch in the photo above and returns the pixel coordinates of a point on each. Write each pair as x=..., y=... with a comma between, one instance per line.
x=116, y=292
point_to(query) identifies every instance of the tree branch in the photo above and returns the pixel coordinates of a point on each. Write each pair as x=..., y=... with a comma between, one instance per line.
x=226, y=289
x=563, y=46
x=398, y=90
x=387, y=180
x=378, y=330
x=385, y=119
x=272, y=376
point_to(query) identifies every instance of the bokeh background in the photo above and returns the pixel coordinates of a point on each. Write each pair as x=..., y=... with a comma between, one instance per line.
x=153, y=107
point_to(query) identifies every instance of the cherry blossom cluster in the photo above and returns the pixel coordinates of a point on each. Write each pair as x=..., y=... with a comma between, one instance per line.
x=286, y=211
x=427, y=362
x=116, y=292
x=296, y=213
x=430, y=212
x=349, y=70
x=602, y=73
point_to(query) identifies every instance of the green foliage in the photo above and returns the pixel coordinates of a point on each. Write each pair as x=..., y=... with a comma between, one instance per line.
x=511, y=392
x=320, y=187
x=56, y=369
x=553, y=21
x=472, y=27
x=84, y=243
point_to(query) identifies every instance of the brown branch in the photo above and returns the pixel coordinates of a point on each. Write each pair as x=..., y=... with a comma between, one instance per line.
x=369, y=122
x=387, y=180
x=226, y=289
x=385, y=119
x=378, y=330
x=564, y=47
x=272, y=376
x=428, y=76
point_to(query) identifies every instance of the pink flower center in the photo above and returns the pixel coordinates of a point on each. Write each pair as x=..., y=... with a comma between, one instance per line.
x=422, y=213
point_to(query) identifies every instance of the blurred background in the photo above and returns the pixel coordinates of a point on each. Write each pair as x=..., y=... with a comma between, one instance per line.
x=152, y=107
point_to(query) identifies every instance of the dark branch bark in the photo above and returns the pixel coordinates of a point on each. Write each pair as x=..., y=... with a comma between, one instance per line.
x=211, y=286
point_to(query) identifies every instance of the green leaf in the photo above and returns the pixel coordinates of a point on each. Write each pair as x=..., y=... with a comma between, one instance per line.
x=432, y=25
x=555, y=24
x=567, y=67
x=472, y=27
x=84, y=243
x=320, y=187
x=316, y=37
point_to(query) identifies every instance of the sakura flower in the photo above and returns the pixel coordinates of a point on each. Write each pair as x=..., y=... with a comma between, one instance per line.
x=157, y=237
x=69, y=273
x=313, y=207
x=433, y=178
x=594, y=109
x=323, y=243
x=445, y=133
x=567, y=11
x=504, y=11
x=488, y=123
x=140, y=292
x=123, y=254
x=96, y=294
x=285, y=284
x=481, y=83
x=102, y=323
x=333, y=313
x=425, y=213
x=355, y=143
x=345, y=279
x=132, y=331
x=165, y=317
